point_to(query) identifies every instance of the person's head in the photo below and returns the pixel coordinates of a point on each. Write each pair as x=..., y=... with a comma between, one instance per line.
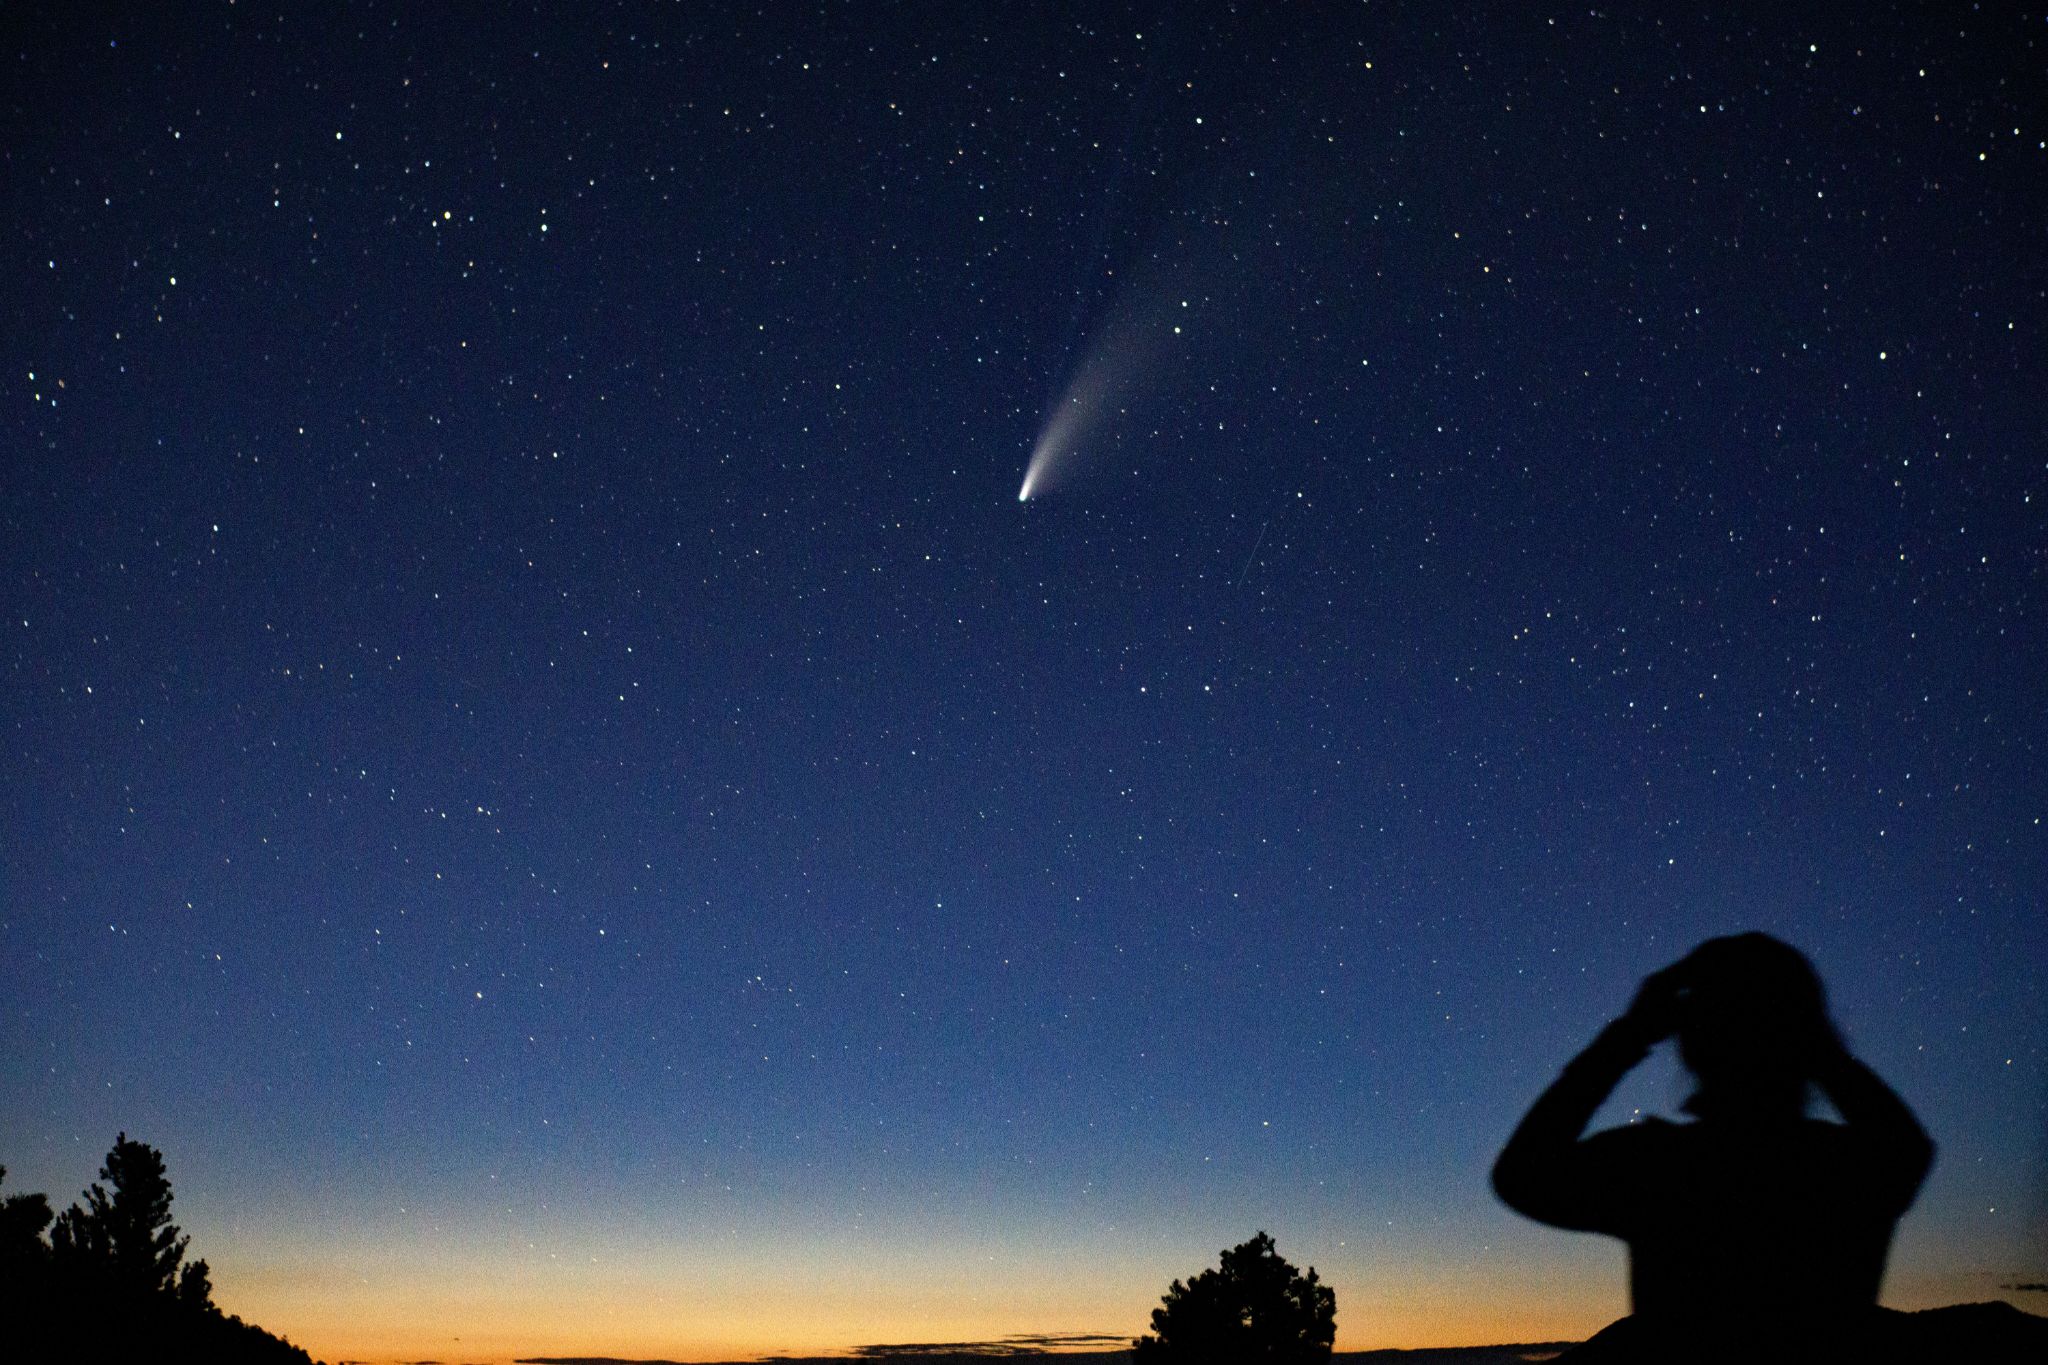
x=1749, y=1016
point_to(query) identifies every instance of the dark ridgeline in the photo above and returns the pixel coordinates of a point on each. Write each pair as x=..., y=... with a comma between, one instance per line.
x=1755, y=1232
x=111, y=1283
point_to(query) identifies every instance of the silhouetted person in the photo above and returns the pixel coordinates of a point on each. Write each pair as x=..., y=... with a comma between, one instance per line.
x=1754, y=1231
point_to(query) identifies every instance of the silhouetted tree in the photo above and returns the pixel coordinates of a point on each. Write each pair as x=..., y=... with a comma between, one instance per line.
x=195, y=1284
x=23, y=1253
x=112, y=1283
x=1256, y=1307
x=126, y=1234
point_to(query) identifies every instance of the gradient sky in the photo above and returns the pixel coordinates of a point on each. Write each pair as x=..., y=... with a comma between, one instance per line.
x=547, y=768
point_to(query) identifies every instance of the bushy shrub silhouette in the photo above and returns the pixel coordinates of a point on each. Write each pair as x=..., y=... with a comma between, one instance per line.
x=1254, y=1308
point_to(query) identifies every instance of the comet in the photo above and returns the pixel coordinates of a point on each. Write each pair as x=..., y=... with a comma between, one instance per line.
x=1118, y=365
x=1164, y=324
x=1055, y=445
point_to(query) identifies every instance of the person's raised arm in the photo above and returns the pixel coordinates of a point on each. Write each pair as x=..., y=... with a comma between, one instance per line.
x=1876, y=1115
x=1543, y=1171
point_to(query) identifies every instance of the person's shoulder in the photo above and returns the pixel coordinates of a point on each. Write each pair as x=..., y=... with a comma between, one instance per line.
x=1825, y=1135
x=1642, y=1135
x=1635, y=1156
x=1831, y=1141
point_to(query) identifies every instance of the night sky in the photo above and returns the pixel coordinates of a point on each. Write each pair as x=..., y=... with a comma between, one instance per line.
x=547, y=766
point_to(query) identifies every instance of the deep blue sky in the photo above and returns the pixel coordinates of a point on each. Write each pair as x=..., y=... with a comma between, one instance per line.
x=538, y=734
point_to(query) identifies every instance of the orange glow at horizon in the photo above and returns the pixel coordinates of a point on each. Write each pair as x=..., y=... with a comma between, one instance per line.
x=728, y=1296
x=720, y=1301
x=821, y=1279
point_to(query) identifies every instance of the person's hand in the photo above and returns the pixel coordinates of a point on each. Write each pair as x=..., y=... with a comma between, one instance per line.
x=1653, y=1015
x=1823, y=1050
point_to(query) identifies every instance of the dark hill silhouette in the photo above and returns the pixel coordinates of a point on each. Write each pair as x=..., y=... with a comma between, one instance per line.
x=111, y=1283
x=1453, y=1355
x=1993, y=1333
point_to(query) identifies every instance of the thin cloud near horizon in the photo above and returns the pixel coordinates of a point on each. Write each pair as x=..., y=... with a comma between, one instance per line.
x=1028, y=1344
